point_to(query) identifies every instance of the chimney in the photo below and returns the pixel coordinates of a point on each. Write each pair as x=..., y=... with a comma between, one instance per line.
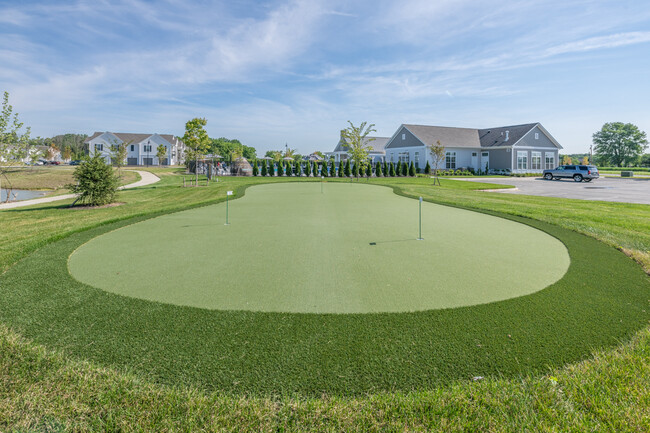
x=507, y=135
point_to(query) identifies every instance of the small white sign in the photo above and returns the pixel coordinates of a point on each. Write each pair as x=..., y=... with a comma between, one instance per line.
x=229, y=193
x=420, y=199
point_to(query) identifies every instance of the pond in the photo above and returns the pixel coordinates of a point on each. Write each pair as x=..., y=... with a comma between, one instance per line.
x=21, y=194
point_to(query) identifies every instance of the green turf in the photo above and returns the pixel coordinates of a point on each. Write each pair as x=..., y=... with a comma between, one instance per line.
x=602, y=299
x=291, y=248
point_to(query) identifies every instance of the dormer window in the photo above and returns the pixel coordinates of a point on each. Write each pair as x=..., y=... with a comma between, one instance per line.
x=403, y=136
x=537, y=136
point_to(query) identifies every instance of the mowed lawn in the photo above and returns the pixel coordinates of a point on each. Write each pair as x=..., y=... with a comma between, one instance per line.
x=351, y=248
x=605, y=392
x=50, y=177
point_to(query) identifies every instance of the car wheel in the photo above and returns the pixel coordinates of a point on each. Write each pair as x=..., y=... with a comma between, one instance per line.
x=577, y=178
x=548, y=176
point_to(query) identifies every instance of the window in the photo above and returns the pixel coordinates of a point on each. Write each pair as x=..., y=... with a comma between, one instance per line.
x=391, y=157
x=147, y=148
x=114, y=147
x=536, y=160
x=132, y=147
x=474, y=153
x=450, y=160
x=99, y=147
x=522, y=160
x=417, y=160
x=484, y=154
x=549, y=161
x=404, y=157
x=403, y=136
x=537, y=136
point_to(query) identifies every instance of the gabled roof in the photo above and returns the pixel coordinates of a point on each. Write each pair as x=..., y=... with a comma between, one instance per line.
x=128, y=137
x=493, y=137
x=448, y=136
x=376, y=145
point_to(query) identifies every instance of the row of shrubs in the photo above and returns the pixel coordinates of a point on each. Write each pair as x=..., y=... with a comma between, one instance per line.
x=640, y=169
x=289, y=168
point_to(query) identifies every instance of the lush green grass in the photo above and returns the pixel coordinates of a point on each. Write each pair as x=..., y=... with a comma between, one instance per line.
x=41, y=388
x=312, y=354
x=350, y=249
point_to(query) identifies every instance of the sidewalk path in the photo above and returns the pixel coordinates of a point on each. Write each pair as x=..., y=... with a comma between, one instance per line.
x=146, y=178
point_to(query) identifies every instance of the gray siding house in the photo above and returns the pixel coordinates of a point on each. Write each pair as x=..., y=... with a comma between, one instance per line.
x=527, y=148
x=141, y=149
x=376, y=153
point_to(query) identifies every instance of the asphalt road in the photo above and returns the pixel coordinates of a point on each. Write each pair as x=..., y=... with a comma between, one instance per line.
x=635, y=190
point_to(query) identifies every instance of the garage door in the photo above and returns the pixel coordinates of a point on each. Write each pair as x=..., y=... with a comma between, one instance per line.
x=132, y=161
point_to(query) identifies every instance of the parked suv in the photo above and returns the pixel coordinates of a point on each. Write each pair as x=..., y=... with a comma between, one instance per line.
x=577, y=172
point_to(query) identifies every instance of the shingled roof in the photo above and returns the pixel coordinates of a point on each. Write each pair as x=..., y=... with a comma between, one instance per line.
x=450, y=136
x=128, y=137
x=493, y=137
x=376, y=145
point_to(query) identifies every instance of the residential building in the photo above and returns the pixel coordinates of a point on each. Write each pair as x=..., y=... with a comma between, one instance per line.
x=527, y=148
x=141, y=149
x=376, y=152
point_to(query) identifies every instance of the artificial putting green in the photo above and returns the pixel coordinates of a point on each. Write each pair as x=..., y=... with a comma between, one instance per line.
x=600, y=301
x=350, y=249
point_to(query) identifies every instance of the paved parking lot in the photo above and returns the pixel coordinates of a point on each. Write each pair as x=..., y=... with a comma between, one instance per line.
x=635, y=190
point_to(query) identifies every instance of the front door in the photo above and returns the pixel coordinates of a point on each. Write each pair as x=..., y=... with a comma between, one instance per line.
x=485, y=161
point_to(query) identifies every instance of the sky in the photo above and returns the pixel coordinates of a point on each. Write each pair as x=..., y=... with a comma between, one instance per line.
x=271, y=73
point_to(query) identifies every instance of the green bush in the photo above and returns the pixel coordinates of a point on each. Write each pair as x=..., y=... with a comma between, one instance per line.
x=296, y=168
x=412, y=169
x=356, y=170
x=378, y=169
x=308, y=169
x=427, y=169
x=255, y=169
x=368, y=170
x=265, y=170
x=348, y=171
x=340, y=172
x=332, y=169
x=405, y=169
x=96, y=183
x=323, y=169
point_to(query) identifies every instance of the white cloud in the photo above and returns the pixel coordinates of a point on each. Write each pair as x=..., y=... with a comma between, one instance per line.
x=600, y=42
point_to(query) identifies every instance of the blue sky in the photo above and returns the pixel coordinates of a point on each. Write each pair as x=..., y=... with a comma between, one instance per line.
x=294, y=72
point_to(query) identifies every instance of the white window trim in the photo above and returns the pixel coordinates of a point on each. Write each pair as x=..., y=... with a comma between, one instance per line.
x=534, y=155
x=524, y=156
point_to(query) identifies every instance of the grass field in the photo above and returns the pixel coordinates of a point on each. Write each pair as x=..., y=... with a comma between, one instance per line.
x=53, y=178
x=350, y=249
x=43, y=389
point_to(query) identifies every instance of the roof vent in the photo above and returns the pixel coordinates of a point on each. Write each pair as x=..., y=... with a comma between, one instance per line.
x=507, y=135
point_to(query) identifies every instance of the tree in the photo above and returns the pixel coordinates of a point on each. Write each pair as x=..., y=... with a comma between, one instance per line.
x=427, y=169
x=398, y=168
x=392, y=170
x=412, y=169
x=332, y=168
x=314, y=169
x=385, y=171
x=645, y=160
x=357, y=144
x=67, y=153
x=438, y=155
x=296, y=167
x=14, y=144
x=323, y=169
x=378, y=169
x=621, y=143
x=118, y=156
x=275, y=154
x=161, y=153
x=289, y=168
x=308, y=169
x=405, y=169
x=265, y=170
x=96, y=183
x=368, y=170
x=229, y=149
x=256, y=169
x=197, y=141
x=347, y=170
x=567, y=160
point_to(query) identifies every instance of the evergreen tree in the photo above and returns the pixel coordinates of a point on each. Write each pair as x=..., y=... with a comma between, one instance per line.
x=405, y=169
x=348, y=170
x=392, y=170
x=265, y=169
x=341, y=169
x=385, y=171
x=289, y=169
x=412, y=169
x=308, y=168
x=314, y=169
x=356, y=170
x=96, y=183
x=378, y=169
x=369, y=170
x=255, y=169
x=398, y=169
x=427, y=169
x=323, y=169
x=332, y=169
